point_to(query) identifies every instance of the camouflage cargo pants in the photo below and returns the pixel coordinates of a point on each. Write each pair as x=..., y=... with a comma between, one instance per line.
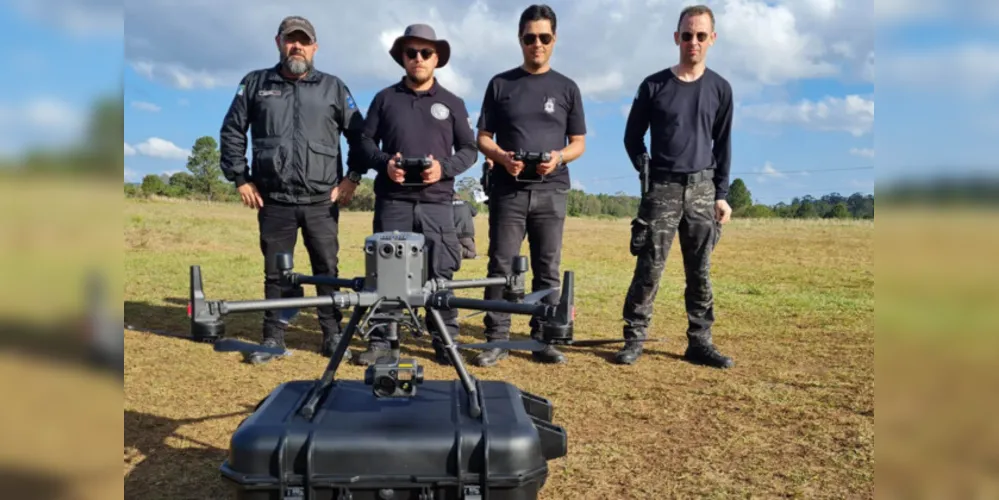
x=669, y=207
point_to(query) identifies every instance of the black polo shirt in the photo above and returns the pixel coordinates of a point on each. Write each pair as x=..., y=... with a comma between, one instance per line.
x=533, y=112
x=418, y=124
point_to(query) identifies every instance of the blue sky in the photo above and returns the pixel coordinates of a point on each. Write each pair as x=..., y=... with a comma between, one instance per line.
x=802, y=74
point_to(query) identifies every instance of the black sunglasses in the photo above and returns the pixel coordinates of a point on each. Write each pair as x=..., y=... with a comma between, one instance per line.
x=426, y=53
x=688, y=36
x=530, y=38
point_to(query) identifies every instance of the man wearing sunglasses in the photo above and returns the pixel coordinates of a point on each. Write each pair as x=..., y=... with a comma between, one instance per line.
x=418, y=117
x=538, y=110
x=689, y=110
x=295, y=114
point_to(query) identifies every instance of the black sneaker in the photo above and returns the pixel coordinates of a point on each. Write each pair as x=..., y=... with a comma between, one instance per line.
x=549, y=355
x=490, y=357
x=258, y=358
x=440, y=355
x=629, y=353
x=707, y=355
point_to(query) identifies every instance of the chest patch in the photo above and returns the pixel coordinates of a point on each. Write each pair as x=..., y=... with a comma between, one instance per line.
x=549, y=105
x=268, y=93
x=440, y=111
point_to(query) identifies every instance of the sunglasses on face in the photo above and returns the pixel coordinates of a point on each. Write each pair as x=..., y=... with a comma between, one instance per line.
x=530, y=38
x=688, y=36
x=426, y=53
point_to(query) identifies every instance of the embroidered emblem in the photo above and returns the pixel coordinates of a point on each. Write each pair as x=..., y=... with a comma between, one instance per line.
x=440, y=111
x=550, y=105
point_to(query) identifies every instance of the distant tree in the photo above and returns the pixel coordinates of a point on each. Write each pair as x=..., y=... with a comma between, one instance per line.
x=204, y=167
x=153, y=184
x=806, y=209
x=739, y=197
x=758, y=212
x=839, y=211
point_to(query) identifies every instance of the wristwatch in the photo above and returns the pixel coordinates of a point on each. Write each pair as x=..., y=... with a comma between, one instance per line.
x=353, y=176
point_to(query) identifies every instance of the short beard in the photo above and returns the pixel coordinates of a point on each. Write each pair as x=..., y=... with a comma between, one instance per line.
x=414, y=80
x=296, y=66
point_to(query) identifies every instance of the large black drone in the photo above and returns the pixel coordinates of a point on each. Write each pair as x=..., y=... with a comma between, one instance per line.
x=395, y=285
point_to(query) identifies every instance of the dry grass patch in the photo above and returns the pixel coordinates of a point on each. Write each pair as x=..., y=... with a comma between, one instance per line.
x=795, y=308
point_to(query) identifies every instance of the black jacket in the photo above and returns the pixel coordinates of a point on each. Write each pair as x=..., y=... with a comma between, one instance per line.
x=296, y=128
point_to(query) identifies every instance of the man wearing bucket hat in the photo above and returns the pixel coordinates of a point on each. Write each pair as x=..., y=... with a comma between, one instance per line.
x=295, y=114
x=418, y=117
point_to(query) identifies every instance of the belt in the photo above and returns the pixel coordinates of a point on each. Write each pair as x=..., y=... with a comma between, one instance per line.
x=683, y=178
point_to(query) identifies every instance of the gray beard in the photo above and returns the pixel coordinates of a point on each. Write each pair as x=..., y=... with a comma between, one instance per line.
x=296, y=66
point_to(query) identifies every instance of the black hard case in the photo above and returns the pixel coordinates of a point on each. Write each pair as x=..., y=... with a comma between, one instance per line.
x=360, y=447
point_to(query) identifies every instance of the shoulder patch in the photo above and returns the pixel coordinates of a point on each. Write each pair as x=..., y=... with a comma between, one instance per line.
x=350, y=102
x=440, y=111
x=241, y=89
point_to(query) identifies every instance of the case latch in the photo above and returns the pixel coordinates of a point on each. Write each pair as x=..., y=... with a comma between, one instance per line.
x=426, y=493
x=343, y=494
x=472, y=492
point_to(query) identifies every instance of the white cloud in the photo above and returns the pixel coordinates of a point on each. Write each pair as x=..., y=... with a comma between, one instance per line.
x=862, y=152
x=129, y=150
x=161, y=148
x=853, y=114
x=768, y=172
x=896, y=12
x=42, y=121
x=132, y=175
x=972, y=69
x=578, y=185
x=85, y=18
x=145, y=106
x=606, y=47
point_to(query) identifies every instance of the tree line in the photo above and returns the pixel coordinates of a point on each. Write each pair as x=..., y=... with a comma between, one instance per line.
x=203, y=180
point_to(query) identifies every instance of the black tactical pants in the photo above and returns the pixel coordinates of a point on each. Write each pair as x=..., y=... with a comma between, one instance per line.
x=279, y=225
x=668, y=207
x=435, y=221
x=540, y=215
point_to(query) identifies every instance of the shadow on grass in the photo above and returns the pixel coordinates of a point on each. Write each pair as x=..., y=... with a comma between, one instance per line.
x=172, y=465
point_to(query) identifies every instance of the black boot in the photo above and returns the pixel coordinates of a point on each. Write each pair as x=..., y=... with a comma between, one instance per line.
x=440, y=355
x=549, y=354
x=707, y=355
x=629, y=353
x=258, y=358
x=374, y=352
x=490, y=357
x=330, y=340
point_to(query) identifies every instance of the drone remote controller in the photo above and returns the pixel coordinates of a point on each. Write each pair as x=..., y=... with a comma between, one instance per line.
x=531, y=161
x=414, y=168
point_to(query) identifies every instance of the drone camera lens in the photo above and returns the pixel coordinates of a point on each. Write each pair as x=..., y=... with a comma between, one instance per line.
x=387, y=250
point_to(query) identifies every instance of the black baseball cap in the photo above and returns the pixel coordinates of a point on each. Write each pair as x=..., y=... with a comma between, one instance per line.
x=297, y=23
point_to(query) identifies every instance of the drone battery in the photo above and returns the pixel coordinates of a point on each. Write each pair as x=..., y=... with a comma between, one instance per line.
x=427, y=446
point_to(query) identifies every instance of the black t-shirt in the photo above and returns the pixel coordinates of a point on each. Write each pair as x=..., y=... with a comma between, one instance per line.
x=534, y=113
x=691, y=125
x=417, y=124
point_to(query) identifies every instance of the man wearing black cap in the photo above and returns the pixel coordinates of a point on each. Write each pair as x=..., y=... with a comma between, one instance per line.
x=418, y=118
x=295, y=115
x=536, y=109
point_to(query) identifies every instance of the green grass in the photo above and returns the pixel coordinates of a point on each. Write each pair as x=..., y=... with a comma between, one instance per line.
x=794, y=306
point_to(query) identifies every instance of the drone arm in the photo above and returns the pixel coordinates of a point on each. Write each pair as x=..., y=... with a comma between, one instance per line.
x=446, y=300
x=473, y=283
x=355, y=284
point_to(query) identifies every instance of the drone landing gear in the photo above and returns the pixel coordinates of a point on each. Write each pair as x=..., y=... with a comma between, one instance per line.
x=325, y=382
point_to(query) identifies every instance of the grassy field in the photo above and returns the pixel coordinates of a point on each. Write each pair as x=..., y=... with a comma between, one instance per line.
x=795, y=309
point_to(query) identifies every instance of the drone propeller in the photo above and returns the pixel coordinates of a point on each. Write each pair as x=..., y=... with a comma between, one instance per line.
x=531, y=298
x=536, y=346
x=235, y=345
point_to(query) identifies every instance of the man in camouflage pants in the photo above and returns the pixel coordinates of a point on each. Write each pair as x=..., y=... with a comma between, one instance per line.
x=689, y=109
